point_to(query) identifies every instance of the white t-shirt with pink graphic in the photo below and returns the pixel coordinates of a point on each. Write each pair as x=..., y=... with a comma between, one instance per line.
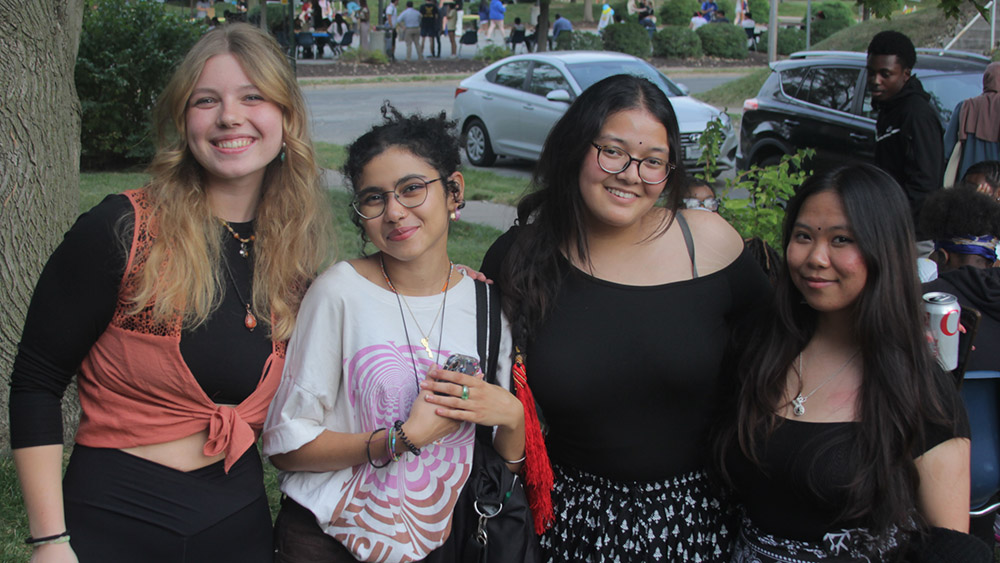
x=349, y=368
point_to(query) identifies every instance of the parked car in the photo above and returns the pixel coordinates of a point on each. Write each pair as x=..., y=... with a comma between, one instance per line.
x=509, y=107
x=820, y=99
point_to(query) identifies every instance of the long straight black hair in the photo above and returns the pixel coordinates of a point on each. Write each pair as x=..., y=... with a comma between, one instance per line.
x=902, y=387
x=552, y=216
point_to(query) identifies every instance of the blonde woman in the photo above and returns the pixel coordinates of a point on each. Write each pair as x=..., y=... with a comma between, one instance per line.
x=173, y=303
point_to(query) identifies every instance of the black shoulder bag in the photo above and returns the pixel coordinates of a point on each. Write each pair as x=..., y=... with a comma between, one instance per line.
x=492, y=521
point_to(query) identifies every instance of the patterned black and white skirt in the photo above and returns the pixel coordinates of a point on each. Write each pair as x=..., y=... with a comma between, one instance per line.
x=856, y=545
x=600, y=520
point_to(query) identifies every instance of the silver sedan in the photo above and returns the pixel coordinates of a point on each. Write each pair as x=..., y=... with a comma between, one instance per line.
x=508, y=108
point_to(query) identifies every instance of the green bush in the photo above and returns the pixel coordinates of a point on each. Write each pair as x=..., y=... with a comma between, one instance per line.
x=836, y=16
x=127, y=53
x=492, y=53
x=676, y=41
x=760, y=10
x=723, y=40
x=366, y=56
x=678, y=12
x=583, y=41
x=628, y=37
x=790, y=40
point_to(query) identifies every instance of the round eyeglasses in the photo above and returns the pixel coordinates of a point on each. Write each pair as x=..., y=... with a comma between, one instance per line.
x=370, y=203
x=614, y=160
x=711, y=203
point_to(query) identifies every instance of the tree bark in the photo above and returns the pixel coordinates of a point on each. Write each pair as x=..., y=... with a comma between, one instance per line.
x=39, y=161
x=588, y=10
x=542, y=29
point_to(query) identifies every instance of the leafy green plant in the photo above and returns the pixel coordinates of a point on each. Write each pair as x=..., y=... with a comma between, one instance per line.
x=836, y=16
x=127, y=53
x=678, y=42
x=367, y=56
x=762, y=213
x=790, y=40
x=627, y=37
x=492, y=53
x=760, y=10
x=723, y=40
x=582, y=41
x=678, y=12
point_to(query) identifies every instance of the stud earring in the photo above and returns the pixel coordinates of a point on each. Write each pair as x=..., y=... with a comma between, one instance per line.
x=453, y=215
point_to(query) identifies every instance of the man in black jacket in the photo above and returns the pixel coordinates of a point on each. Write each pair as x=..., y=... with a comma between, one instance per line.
x=908, y=134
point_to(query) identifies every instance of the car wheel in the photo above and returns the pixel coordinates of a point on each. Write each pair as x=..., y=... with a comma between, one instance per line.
x=477, y=144
x=770, y=160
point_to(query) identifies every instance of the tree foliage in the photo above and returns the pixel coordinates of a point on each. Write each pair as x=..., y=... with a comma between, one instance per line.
x=127, y=53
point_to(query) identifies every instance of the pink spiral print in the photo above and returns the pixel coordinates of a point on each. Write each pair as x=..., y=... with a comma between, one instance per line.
x=403, y=511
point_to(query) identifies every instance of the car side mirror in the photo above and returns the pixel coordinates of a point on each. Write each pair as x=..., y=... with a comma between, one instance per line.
x=684, y=89
x=558, y=95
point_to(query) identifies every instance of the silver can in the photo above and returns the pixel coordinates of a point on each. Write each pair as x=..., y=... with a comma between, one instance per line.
x=941, y=319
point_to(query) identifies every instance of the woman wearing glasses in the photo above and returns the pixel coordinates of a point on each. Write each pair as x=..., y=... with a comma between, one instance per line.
x=623, y=308
x=374, y=440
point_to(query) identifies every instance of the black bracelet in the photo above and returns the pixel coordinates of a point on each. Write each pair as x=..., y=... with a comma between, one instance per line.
x=368, y=449
x=406, y=441
x=58, y=538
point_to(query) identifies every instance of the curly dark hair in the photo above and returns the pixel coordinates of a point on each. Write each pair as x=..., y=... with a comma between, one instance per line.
x=431, y=138
x=990, y=169
x=959, y=212
x=894, y=43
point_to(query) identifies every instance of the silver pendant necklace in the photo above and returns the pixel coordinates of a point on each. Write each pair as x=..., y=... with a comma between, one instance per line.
x=799, y=402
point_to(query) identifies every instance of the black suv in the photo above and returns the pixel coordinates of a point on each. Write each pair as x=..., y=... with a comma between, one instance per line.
x=820, y=99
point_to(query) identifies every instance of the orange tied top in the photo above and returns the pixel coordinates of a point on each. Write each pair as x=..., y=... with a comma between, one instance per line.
x=135, y=388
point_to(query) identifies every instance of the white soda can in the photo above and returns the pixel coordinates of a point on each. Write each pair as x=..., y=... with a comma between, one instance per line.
x=941, y=317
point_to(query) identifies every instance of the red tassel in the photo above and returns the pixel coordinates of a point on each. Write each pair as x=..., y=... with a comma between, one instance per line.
x=538, y=476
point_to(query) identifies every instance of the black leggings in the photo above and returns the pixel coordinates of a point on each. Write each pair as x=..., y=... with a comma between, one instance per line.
x=120, y=507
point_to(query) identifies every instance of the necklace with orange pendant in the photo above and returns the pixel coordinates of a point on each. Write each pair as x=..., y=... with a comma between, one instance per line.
x=249, y=321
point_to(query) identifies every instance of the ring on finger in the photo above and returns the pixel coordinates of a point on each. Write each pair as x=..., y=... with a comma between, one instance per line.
x=465, y=392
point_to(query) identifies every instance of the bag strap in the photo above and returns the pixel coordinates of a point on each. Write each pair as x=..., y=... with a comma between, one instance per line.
x=487, y=341
x=488, y=329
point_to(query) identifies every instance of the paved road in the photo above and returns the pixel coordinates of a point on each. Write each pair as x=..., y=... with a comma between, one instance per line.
x=341, y=113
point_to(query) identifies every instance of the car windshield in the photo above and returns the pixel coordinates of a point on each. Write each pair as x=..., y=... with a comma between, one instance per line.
x=947, y=90
x=587, y=74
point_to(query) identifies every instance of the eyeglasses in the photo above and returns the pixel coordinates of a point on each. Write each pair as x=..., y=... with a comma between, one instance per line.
x=711, y=203
x=410, y=193
x=614, y=160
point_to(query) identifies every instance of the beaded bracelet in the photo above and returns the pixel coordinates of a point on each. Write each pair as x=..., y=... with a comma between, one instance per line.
x=402, y=436
x=368, y=451
x=391, y=444
x=58, y=538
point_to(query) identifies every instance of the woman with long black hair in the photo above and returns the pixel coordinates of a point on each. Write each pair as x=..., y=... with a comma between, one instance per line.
x=623, y=308
x=845, y=436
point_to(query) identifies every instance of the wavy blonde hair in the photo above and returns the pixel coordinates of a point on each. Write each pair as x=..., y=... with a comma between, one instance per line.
x=183, y=275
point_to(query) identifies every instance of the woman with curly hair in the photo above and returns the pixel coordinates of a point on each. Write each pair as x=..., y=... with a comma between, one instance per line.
x=965, y=225
x=173, y=302
x=844, y=439
x=374, y=438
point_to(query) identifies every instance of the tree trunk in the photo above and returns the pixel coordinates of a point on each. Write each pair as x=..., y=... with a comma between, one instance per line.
x=588, y=10
x=542, y=29
x=39, y=160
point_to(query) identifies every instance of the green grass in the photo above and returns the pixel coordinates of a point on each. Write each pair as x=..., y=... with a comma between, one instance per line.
x=13, y=520
x=731, y=94
x=487, y=186
x=923, y=27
